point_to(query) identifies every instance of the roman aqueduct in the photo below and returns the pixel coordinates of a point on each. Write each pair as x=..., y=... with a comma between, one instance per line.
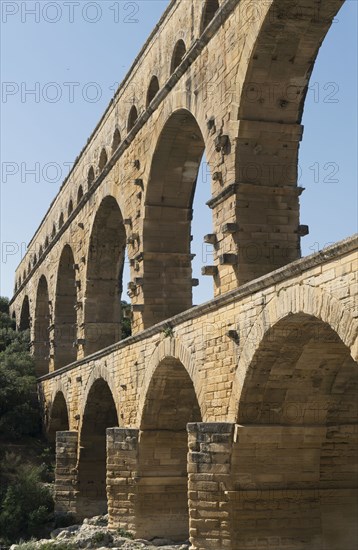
x=233, y=422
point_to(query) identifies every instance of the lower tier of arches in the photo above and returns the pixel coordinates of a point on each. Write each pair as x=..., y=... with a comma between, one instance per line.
x=241, y=486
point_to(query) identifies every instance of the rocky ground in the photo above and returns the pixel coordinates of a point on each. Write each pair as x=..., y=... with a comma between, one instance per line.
x=94, y=533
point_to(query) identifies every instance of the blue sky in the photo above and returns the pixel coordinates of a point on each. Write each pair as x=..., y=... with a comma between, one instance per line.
x=46, y=130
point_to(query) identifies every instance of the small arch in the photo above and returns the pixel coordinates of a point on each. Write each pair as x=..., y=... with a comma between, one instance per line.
x=90, y=177
x=58, y=421
x=116, y=140
x=24, y=276
x=103, y=159
x=132, y=118
x=41, y=328
x=178, y=55
x=105, y=263
x=65, y=312
x=25, y=314
x=16, y=286
x=152, y=90
x=70, y=208
x=47, y=242
x=41, y=251
x=53, y=233
x=210, y=9
x=170, y=404
x=100, y=413
x=34, y=260
x=29, y=268
x=79, y=194
x=61, y=221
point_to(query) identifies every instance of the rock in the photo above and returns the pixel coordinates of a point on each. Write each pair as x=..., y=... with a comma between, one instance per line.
x=161, y=542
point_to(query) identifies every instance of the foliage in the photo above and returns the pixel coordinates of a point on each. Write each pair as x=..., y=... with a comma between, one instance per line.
x=47, y=546
x=125, y=534
x=19, y=410
x=126, y=320
x=25, y=503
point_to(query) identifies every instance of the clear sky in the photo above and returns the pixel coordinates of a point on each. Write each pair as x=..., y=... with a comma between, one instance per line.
x=93, y=44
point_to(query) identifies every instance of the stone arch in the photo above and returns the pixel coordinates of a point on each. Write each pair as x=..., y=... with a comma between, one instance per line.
x=65, y=310
x=41, y=328
x=167, y=267
x=171, y=348
x=116, y=140
x=209, y=11
x=58, y=416
x=132, y=118
x=297, y=414
x=41, y=251
x=99, y=371
x=178, y=55
x=90, y=177
x=53, y=232
x=34, y=260
x=280, y=54
x=105, y=262
x=302, y=299
x=161, y=506
x=47, y=242
x=153, y=89
x=99, y=414
x=25, y=322
x=29, y=268
x=61, y=220
x=79, y=194
x=103, y=159
x=70, y=208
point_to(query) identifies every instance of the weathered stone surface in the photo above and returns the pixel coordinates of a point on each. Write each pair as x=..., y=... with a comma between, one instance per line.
x=264, y=377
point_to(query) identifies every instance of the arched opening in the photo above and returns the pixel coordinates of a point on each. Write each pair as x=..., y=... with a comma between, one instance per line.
x=167, y=267
x=42, y=324
x=47, y=242
x=79, y=194
x=99, y=414
x=297, y=436
x=271, y=100
x=41, y=251
x=61, y=221
x=132, y=118
x=34, y=260
x=116, y=140
x=103, y=159
x=152, y=90
x=53, y=233
x=104, y=277
x=58, y=421
x=162, y=489
x=25, y=314
x=65, y=311
x=90, y=177
x=210, y=9
x=70, y=208
x=29, y=268
x=178, y=55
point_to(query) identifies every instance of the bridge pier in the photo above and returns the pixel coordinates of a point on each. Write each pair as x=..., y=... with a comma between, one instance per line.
x=66, y=472
x=122, y=467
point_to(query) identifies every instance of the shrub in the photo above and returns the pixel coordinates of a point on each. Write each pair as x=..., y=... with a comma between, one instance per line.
x=26, y=505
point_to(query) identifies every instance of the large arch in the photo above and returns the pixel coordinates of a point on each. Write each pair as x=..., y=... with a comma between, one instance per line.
x=24, y=323
x=65, y=310
x=162, y=499
x=104, y=277
x=41, y=328
x=167, y=266
x=99, y=414
x=270, y=104
x=297, y=437
x=58, y=417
